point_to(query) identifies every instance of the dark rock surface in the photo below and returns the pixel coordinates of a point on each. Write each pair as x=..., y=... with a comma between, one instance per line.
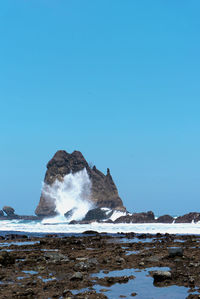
x=97, y=214
x=161, y=276
x=9, y=211
x=6, y=258
x=1, y=213
x=165, y=219
x=104, y=191
x=137, y=218
x=188, y=218
x=69, y=213
x=82, y=266
x=175, y=251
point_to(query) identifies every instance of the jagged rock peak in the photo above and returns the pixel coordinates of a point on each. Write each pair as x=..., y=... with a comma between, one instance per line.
x=104, y=192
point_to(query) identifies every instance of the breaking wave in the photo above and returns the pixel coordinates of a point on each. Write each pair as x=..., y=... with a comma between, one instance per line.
x=152, y=228
x=72, y=196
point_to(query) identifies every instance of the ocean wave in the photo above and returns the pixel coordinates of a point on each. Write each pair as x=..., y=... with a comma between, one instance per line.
x=152, y=228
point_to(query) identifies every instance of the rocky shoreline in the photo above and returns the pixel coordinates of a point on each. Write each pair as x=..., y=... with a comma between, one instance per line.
x=93, y=265
x=100, y=216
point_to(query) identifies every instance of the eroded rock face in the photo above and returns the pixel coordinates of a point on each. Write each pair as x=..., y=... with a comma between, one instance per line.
x=104, y=192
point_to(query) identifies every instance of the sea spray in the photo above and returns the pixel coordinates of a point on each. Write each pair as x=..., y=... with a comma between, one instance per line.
x=72, y=194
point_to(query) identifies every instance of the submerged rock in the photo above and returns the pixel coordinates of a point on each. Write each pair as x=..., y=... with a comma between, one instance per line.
x=104, y=191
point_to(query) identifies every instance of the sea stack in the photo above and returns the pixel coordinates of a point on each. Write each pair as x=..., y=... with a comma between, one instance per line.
x=104, y=192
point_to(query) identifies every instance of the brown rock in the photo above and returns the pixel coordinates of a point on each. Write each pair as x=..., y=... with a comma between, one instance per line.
x=6, y=258
x=188, y=218
x=104, y=191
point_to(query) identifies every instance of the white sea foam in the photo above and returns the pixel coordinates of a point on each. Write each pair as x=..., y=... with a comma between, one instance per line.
x=71, y=194
x=153, y=228
x=116, y=214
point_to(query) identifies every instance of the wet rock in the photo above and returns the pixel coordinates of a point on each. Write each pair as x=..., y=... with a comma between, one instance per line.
x=165, y=219
x=159, y=276
x=6, y=258
x=9, y=211
x=108, y=221
x=191, y=281
x=56, y=257
x=73, y=222
x=188, y=218
x=15, y=237
x=137, y=218
x=97, y=214
x=1, y=213
x=81, y=266
x=90, y=232
x=77, y=276
x=86, y=265
x=141, y=264
x=69, y=213
x=67, y=293
x=175, y=251
x=122, y=279
x=119, y=260
x=153, y=259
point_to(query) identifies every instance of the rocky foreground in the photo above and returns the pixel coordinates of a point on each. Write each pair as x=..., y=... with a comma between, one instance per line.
x=82, y=266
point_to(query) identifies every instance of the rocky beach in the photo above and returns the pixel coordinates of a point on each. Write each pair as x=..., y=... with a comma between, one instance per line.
x=83, y=243
x=99, y=265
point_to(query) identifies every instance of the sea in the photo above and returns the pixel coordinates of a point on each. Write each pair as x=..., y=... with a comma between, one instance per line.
x=49, y=226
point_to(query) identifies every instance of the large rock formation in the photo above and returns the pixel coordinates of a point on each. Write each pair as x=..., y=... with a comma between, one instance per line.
x=104, y=192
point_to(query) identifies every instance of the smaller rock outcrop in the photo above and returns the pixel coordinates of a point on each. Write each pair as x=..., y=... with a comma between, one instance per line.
x=165, y=219
x=188, y=218
x=137, y=218
x=9, y=211
x=97, y=214
x=1, y=213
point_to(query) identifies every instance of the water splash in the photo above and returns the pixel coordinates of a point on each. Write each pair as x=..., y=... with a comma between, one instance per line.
x=71, y=195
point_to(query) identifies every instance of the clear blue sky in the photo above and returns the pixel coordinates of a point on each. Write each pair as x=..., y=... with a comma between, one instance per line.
x=117, y=80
